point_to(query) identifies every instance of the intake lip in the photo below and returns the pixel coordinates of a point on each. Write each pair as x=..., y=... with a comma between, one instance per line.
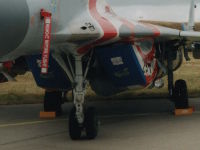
x=14, y=22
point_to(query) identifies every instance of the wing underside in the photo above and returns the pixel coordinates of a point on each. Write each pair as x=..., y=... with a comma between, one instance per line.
x=106, y=27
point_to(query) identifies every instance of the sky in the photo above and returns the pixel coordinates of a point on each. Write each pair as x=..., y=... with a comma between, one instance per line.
x=158, y=10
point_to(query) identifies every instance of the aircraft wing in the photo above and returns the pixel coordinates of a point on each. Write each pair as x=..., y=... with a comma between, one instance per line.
x=105, y=27
x=163, y=33
x=190, y=35
x=134, y=32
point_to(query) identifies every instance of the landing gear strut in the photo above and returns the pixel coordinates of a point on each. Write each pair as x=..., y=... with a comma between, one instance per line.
x=80, y=119
x=178, y=93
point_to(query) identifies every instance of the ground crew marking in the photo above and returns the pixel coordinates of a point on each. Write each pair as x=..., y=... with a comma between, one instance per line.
x=29, y=123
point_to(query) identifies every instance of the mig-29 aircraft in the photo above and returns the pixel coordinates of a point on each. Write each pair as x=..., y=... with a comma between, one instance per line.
x=68, y=44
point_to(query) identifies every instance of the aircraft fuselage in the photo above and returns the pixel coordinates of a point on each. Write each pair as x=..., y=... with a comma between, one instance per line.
x=77, y=27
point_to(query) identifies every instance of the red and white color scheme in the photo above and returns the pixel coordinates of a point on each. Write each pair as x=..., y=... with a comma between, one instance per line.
x=109, y=25
x=145, y=52
x=77, y=30
x=46, y=40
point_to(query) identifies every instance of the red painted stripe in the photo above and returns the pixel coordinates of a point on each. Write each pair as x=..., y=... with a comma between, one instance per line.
x=148, y=58
x=132, y=38
x=130, y=25
x=108, y=28
x=155, y=30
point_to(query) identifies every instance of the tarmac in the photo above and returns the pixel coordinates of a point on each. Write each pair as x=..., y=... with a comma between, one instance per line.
x=124, y=124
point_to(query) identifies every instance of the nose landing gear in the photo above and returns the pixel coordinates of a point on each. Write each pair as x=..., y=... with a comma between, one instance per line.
x=80, y=119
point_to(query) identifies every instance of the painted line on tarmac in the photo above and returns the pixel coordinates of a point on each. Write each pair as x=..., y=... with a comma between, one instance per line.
x=56, y=120
x=101, y=117
x=29, y=123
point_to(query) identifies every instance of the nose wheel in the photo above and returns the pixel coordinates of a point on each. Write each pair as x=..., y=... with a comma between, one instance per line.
x=75, y=129
x=90, y=125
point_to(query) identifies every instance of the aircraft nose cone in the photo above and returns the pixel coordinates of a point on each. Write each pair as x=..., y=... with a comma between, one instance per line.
x=14, y=20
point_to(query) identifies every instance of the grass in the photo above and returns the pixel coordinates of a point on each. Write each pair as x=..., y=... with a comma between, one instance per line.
x=25, y=90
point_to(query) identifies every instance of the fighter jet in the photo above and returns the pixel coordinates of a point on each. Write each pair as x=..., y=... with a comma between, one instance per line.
x=68, y=44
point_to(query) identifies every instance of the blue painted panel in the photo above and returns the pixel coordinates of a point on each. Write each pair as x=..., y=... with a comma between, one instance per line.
x=55, y=79
x=125, y=73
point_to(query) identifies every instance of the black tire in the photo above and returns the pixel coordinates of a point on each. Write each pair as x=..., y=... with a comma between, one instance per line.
x=180, y=94
x=91, y=123
x=53, y=102
x=74, y=128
